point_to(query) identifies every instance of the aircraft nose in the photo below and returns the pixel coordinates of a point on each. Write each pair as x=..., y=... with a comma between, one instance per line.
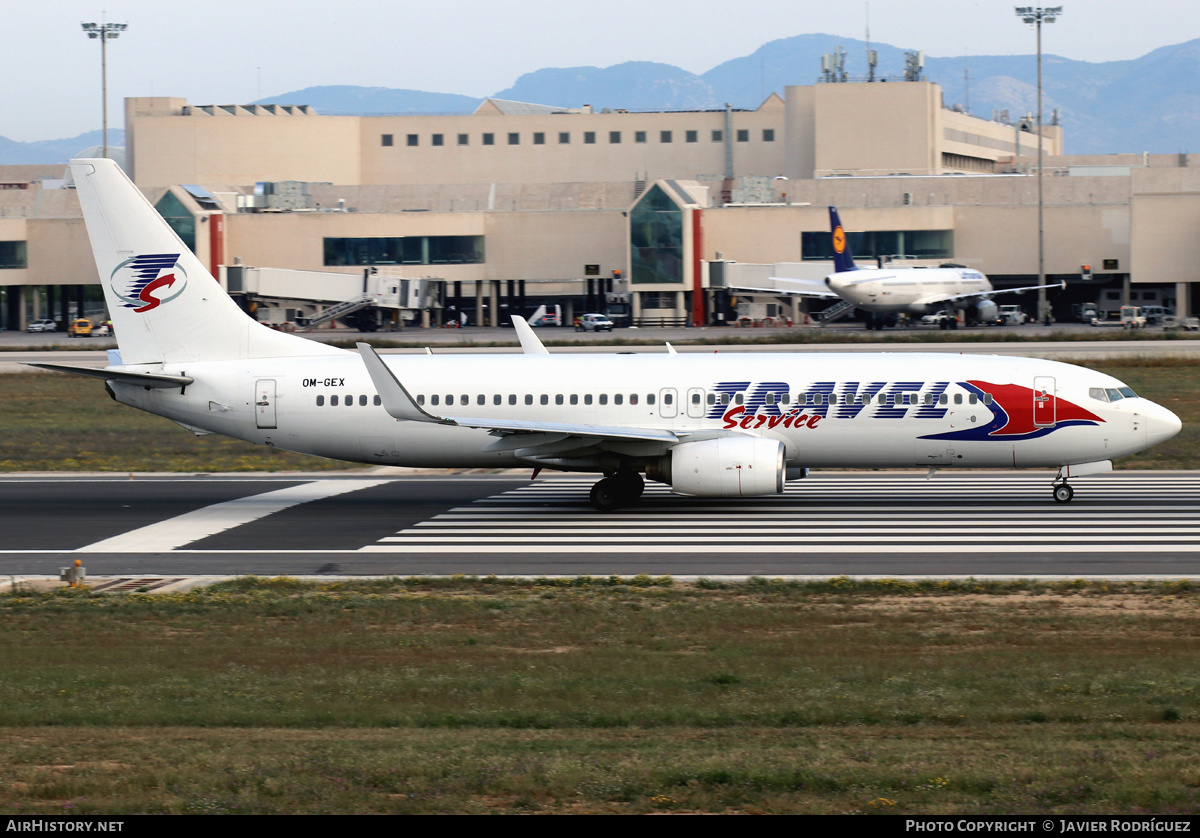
x=1161, y=424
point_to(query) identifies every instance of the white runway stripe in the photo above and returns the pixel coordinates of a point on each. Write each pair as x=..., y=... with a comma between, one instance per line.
x=210, y=520
x=546, y=517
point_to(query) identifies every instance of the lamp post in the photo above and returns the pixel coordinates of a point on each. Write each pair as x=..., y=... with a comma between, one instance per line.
x=105, y=32
x=1036, y=15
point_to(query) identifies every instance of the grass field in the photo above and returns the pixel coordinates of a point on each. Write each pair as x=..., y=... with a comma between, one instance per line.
x=62, y=423
x=603, y=695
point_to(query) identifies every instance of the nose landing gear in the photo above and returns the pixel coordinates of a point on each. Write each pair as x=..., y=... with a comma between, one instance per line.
x=1062, y=492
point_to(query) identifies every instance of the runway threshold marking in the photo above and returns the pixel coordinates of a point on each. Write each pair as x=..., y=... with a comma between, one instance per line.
x=174, y=533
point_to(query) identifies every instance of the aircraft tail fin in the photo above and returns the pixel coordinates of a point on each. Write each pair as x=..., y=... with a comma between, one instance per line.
x=165, y=305
x=843, y=259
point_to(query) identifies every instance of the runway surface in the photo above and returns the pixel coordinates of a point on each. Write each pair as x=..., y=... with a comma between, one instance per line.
x=896, y=524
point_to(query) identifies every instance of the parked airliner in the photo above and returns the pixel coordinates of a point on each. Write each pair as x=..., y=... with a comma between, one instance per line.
x=886, y=292
x=713, y=425
x=910, y=290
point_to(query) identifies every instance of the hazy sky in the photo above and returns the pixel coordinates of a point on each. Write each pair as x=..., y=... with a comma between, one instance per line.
x=236, y=51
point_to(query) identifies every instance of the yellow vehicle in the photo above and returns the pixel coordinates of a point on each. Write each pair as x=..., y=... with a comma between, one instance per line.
x=81, y=328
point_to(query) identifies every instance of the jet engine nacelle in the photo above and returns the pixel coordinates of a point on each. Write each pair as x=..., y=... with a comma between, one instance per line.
x=988, y=311
x=728, y=467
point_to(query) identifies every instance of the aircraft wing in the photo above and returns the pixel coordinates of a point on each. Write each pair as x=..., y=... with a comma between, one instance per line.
x=400, y=404
x=793, y=287
x=935, y=299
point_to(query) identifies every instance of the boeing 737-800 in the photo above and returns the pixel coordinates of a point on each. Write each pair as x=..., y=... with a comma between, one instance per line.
x=715, y=425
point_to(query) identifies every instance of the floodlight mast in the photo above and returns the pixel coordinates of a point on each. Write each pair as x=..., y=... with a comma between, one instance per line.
x=1037, y=15
x=105, y=32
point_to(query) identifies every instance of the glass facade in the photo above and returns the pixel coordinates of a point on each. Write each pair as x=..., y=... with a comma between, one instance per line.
x=178, y=218
x=12, y=255
x=405, y=250
x=910, y=244
x=656, y=239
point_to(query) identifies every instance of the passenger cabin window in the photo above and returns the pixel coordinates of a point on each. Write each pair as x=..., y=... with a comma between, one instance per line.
x=320, y=401
x=604, y=398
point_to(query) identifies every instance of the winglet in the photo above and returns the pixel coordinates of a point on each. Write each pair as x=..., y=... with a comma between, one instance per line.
x=530, y=344
x=396, y=400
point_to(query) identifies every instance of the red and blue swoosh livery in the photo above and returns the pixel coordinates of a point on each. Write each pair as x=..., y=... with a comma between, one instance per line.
x=1012, y=414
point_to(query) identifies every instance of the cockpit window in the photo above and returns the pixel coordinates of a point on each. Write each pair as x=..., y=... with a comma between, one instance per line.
x=1111, y=394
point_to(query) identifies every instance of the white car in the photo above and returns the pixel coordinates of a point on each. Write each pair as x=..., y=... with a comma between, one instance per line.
x=42, y=326
x=1013, y=315
x=593, y=323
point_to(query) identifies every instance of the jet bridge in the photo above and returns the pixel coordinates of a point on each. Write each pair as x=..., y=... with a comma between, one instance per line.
x=278, y=295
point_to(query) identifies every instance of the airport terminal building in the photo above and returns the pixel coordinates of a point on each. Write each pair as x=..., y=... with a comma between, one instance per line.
x=666, y=214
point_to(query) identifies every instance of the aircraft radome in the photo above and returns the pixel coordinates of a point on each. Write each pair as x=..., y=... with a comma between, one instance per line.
x=723, y=425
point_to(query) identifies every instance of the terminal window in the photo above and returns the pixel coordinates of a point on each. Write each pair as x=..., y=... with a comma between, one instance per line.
x=12, y=254
x=489, y=139
x=514, y=139
x=692, y=136
x=614, y=136
x=564, y=137
x=404, y=250
x=386, y=140
x=464, y=139
x=718, y=136
x=437, y=139
x=639, y=136
x=743, y=135
x=589, y=137
x=539, y=138
x=413, y=139
x=664, y=136
x=913, y=244
x=768, y=135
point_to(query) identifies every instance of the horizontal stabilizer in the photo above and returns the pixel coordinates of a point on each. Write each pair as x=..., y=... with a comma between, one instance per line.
x=152, y=380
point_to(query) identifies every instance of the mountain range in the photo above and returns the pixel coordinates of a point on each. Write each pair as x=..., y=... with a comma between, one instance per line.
x=1149, y=103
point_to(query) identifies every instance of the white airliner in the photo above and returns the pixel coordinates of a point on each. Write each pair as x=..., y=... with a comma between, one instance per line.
x=891, y=291
x=713, y=425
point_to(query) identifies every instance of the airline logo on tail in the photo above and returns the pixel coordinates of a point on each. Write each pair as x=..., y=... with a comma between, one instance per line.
x=141, y=284
x=839, y=239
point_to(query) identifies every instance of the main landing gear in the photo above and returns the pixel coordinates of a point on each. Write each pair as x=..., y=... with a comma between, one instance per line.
x=620, y=489
x=1062, y=492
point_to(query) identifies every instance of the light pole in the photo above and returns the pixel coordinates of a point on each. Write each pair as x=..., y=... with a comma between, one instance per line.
x=105, y=32
x=1036, y=15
